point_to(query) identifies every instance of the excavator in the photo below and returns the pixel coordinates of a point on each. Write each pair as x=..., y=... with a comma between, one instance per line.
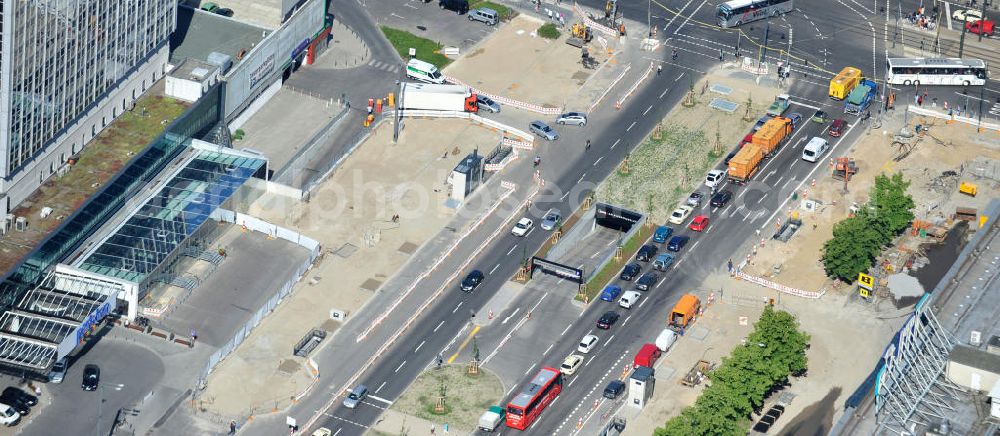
x=581, y=34
x=844, y=166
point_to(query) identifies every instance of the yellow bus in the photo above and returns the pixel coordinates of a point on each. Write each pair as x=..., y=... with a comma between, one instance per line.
x=844, y=82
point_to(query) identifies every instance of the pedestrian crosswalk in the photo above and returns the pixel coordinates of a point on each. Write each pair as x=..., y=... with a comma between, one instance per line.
x=384, y=66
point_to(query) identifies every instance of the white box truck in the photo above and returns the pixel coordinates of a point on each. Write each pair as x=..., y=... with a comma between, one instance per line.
x=425, y=96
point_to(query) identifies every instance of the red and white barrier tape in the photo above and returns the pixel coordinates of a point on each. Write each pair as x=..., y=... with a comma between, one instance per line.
x=635, y=86
x=612, y=85
x=599, y=27
x=524, y=145
x=778, y=287
x=508, y=101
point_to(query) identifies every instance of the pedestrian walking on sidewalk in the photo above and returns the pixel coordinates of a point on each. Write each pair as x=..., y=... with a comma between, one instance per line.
x=232, y=427
x=659, y=69
x=588, y=145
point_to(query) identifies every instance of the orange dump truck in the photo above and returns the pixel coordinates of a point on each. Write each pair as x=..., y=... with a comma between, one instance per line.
x=770, y=135
x=684, y=312
x=745, y=164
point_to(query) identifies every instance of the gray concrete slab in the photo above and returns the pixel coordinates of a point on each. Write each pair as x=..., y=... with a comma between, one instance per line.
x=254, y=269
x=286, y=124
x=128, y=372
x=200, y=33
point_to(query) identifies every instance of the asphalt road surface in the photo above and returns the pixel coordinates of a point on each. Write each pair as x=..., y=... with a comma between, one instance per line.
x=822, y=38
x=614, y=133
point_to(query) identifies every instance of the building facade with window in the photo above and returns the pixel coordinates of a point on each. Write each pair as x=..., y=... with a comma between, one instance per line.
x=67, y=69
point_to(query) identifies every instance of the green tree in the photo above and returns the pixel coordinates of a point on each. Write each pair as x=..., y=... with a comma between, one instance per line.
x=773, y=351
x=892, y=203
x=783, y=342
x=855, y=244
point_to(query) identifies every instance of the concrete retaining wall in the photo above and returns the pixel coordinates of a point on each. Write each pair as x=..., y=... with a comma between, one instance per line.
x=584, y=227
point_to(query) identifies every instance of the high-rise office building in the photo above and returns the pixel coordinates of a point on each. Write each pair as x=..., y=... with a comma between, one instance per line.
x=67, y=69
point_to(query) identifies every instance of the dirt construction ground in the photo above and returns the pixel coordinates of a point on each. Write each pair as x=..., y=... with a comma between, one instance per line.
x=847, y=336
x=945, y=148
x=516, y=63
x=838, y=358
x=356, y=201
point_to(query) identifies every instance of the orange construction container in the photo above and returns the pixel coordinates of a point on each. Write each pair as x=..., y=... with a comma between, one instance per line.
x=772, y=133
x=685, y=310
x=745, y=164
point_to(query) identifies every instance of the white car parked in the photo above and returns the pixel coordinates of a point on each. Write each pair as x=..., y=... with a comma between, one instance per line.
x=587, y=343
x=680, y=214
x=522, y=227
x=8, y=416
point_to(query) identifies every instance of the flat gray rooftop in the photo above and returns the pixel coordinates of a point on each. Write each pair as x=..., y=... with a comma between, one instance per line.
x=200, y=33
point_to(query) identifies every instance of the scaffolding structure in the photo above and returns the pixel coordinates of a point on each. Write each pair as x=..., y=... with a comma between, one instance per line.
x=911, y=389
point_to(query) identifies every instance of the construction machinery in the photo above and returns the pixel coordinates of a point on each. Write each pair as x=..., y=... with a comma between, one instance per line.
x=844, y=168
x=970, y=189
x=580, y=35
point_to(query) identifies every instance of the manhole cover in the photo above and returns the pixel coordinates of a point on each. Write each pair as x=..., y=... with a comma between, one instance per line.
x=289, y=367
x=723, y=105
x=346, y=250
x=698, y=333
x=408, y=247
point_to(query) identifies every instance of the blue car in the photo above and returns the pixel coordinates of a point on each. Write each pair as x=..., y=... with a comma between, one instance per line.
x=662, y=233
x=663, y=261
x=677, y=242
x=611, y=292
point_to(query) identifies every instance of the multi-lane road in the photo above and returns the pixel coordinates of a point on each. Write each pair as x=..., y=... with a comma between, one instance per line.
x=821, y=37
x=614, y=133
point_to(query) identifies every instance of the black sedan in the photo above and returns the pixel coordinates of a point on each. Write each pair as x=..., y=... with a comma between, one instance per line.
x=646, y=281
x=20, y=394
x=630, y=271
x=607, y=320
x=472, y=280
x=722, y=198
x=646, y=253
x=91, y=377
x=614, y=389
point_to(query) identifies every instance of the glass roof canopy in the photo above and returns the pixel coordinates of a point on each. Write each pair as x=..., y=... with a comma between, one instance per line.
x=166, y=219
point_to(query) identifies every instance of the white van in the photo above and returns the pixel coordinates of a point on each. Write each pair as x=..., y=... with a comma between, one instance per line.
x=666, y=338
x=419, y=70
x=815, y=149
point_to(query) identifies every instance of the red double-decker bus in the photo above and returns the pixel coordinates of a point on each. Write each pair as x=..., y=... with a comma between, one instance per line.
x=539, y=393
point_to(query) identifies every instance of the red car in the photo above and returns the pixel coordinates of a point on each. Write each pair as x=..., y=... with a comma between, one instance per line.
x=746, y=139
x=837, y=127
x=699, y=224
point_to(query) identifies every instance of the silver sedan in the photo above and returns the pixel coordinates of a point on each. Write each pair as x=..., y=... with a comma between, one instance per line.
x=575, y=118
